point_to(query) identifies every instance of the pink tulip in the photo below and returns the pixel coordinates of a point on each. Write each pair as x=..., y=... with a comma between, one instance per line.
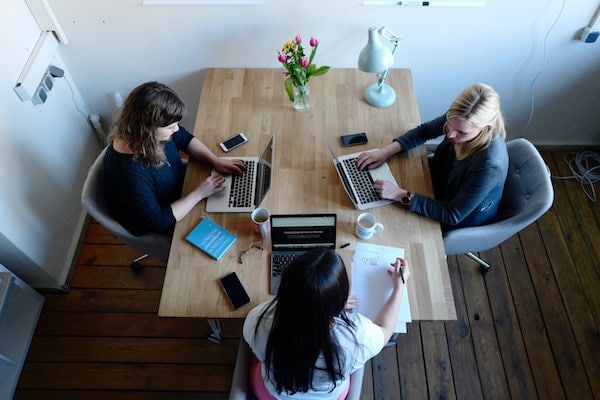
x=298, y=39
x=282, y=57
x=304, y=62
x=314, y=42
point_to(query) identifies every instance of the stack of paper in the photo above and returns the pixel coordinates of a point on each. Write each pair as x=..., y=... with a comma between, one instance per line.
x=372, y=283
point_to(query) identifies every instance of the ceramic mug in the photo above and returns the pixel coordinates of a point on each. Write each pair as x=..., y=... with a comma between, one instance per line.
x=367, y=225
x=261, y=221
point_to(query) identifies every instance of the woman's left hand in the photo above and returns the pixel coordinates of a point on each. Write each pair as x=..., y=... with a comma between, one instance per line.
x=229, y=166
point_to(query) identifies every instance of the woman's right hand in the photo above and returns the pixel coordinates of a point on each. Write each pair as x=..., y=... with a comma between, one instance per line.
x=400, y=273
x=210, y=186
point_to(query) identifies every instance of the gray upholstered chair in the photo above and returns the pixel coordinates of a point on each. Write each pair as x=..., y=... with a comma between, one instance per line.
x=92, y=198
x=528, y=194
x=239, y=384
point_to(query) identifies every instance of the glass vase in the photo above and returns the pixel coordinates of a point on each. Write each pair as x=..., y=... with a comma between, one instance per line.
x=301, y=97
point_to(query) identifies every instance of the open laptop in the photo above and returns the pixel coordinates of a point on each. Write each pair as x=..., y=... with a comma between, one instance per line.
x=243, y=193
x=293, y=235
x=359, y=184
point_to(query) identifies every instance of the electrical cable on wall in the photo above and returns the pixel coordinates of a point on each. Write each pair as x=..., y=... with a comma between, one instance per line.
x=585, y=167
x=535, y=78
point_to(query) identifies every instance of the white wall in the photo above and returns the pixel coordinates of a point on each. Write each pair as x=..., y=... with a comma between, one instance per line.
x=44, y=154
x=521, y=47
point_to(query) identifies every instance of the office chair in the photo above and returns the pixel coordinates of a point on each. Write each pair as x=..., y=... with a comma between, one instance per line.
x=92, y=198
x=527, y=195
x=240, y=390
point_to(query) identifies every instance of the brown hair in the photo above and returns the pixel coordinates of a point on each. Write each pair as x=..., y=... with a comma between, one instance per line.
x=149, y=106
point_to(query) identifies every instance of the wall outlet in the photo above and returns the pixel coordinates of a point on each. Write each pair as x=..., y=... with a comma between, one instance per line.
x=588, y=35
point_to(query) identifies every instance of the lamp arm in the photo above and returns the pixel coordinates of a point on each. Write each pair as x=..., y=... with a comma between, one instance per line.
x=383, y=75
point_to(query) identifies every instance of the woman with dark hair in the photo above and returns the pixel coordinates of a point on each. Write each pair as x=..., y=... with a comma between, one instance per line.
x=468, y=168
x=143, y=170
x=306, y=344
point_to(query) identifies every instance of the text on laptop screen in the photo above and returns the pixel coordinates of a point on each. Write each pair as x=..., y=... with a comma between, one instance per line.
x=290, y=232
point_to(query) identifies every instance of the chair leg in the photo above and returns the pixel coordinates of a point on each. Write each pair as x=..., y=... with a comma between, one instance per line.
x=483, y=266
x=135, y=265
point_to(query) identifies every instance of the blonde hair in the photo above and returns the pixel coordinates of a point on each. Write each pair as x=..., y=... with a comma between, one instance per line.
x=480, y=105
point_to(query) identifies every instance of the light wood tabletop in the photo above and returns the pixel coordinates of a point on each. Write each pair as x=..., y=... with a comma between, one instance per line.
x=304, y=181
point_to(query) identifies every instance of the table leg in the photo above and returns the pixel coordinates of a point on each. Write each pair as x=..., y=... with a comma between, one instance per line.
x=215, y=336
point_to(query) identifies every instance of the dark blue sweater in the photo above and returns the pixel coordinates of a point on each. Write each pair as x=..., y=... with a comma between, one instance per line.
x=467, y=192
x=140, y=196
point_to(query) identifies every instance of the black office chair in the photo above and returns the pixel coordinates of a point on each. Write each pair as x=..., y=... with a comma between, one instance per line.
x=92, y=198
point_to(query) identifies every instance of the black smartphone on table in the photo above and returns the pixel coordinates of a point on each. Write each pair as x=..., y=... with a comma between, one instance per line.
x=233, y=142
x=354, y=139
x=235, y=291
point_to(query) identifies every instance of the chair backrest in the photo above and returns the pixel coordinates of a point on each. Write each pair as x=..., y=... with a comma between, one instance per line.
x=240, y=389
x=94, y=201
x=527, y=195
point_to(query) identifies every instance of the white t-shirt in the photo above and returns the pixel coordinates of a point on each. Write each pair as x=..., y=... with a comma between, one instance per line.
x=359, y=346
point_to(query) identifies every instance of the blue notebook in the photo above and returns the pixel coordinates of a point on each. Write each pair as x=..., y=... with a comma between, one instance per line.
x=211, y=238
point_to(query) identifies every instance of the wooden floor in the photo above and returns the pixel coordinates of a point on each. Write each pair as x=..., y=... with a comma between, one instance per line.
x=529, y=329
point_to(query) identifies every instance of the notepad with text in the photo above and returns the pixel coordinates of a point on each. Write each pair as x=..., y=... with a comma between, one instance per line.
x=372, y=283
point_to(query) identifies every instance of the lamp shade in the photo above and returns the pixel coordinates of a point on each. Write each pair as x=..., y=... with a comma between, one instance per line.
x=375, y=57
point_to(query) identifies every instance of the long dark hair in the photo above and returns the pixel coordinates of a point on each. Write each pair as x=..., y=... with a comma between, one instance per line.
x=149, y=106
x=313, y=291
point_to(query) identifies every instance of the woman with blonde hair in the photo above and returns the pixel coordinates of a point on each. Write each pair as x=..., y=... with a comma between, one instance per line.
x=468, y=168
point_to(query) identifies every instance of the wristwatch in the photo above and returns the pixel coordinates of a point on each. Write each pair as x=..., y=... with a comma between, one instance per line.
x=406, y=199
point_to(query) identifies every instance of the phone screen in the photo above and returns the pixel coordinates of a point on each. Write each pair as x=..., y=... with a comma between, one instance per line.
x=354, y=139
x=234, y=142
x=235, y=290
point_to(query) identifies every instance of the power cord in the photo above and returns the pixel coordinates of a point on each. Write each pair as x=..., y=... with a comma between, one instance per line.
x=585, y=167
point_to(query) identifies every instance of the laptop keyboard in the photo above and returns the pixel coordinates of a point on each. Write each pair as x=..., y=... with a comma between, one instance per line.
x=241, y=187
x=280, y=261
x=362, y=182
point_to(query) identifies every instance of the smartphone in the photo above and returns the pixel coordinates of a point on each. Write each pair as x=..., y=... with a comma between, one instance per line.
x=233, y=142
x=354, y=139
x=236, y=293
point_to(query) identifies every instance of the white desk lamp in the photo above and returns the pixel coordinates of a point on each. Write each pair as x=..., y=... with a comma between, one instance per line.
x=376, y=57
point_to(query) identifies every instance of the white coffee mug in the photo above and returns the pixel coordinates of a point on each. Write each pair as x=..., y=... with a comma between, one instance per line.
x=261, y=221
x=367, y=225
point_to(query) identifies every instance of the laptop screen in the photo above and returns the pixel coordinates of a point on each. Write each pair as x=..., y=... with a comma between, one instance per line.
x=263, y=183
x=303, y=231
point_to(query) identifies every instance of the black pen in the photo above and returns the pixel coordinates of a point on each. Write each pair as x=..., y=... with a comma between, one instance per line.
x=402, y=276
x=344, y=245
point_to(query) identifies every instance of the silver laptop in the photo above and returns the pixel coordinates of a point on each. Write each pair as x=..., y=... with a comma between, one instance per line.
x=293, y=235
x=359, y=184
x=243, y=193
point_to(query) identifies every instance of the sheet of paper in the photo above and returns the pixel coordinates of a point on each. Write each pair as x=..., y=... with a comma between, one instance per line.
x=372, y=283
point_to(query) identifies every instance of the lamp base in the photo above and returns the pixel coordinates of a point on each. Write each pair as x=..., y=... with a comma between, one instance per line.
x=380, y=96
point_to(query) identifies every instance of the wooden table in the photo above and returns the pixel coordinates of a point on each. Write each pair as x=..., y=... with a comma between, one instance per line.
x=304, y=181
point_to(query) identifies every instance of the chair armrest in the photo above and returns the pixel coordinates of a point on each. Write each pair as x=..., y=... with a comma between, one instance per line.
x=240, y=390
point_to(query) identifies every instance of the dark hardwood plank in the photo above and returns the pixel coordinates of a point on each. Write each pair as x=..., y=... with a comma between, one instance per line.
x=132, y=350
x=519, y=377
x=438, y=367
x=82, y=323
x=460, y=335
x=25, y=394
x=535, y=336
x=411, y=365
x=126, y=376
